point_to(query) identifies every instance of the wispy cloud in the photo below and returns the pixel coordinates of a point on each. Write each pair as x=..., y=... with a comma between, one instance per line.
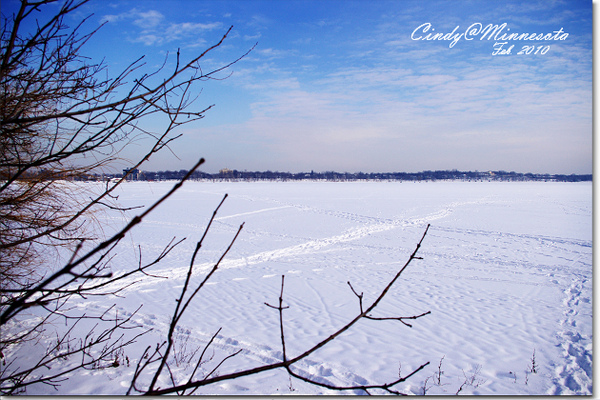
x=143, y=19
x=472, y=114
x=187, y=29
x=347, y=87
x=271, y=53
x=156, y=30
x=252, y=37
x=148, y=19
x=258, y=21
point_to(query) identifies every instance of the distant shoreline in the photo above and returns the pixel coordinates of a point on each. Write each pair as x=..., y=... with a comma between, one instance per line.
x=235, y=175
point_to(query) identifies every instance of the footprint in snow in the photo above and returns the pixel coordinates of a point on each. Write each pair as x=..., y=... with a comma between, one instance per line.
x=575, y=375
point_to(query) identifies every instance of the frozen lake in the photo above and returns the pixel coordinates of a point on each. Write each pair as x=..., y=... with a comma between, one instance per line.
x=506, y=274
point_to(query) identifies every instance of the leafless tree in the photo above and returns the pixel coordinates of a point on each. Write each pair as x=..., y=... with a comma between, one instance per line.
x=57, y=110
x=61, y=120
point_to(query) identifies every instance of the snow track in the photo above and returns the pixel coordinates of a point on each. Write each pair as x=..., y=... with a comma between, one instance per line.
x=574, y=371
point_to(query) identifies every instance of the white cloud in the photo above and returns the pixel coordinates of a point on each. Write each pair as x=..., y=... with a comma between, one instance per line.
x=111, y=18
x=144, y=19
x=148, y=19
x=148, y=39
x=380, y=101
x=258, y=21
x=155, y=30
x=252, y=37
x=186, y=29
x=271, y=53
x=398, y=119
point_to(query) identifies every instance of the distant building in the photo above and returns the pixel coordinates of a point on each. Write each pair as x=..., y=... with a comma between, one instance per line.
x=226, y=172
x=133, y=174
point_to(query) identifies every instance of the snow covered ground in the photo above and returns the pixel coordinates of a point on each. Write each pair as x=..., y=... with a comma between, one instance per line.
x=506, y=274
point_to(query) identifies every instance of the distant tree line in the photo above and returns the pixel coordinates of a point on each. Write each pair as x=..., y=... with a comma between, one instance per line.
x=235, y=175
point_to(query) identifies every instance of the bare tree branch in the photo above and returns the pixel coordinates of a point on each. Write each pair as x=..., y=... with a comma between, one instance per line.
x=288, y=362
x=60, y=120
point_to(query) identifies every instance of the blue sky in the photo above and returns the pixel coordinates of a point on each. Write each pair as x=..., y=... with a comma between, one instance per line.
x=342, y=85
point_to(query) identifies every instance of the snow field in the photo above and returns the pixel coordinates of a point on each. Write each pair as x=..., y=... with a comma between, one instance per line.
x=506, y=274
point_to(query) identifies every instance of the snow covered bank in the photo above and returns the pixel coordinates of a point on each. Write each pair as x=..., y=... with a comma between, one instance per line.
x=506, y=274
